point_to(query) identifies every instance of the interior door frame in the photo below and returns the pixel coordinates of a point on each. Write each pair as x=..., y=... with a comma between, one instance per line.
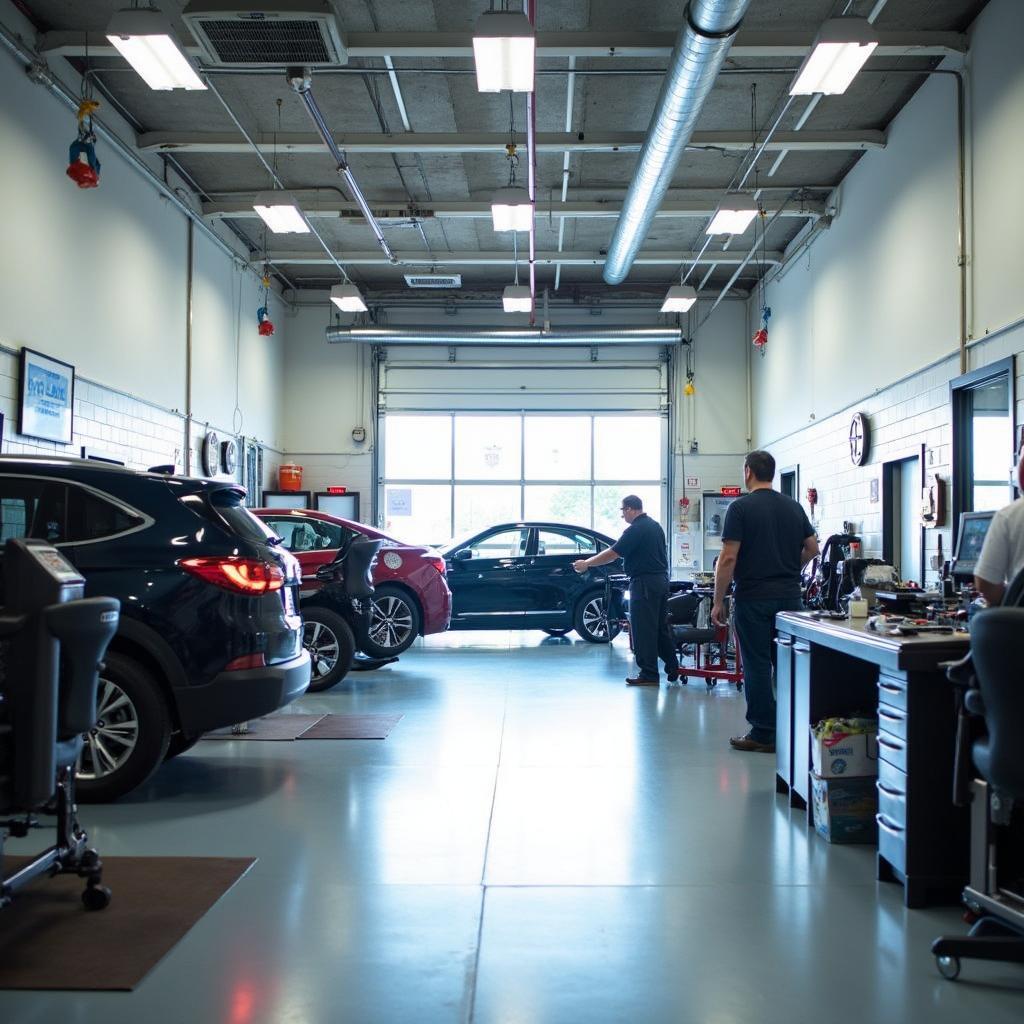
x=889, y=467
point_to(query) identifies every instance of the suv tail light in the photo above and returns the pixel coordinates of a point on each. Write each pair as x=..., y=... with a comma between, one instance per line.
x=246, y=661
x=242, y=575
x=438, y=563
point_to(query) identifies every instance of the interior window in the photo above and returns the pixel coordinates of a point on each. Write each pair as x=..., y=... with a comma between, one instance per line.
x=90, y=517
x=555, y=542
x=506, y=544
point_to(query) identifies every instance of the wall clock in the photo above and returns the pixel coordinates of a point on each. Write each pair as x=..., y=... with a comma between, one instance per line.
x=211, y=453
x=860, y=439
x=228, y=456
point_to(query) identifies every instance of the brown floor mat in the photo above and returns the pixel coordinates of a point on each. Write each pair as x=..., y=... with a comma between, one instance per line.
x=274, y=727
x=352, y=727
x=48, y=940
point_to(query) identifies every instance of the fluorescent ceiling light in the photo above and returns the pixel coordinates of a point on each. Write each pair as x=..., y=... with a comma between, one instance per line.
x=504, y=44
x=679, y=298
x=734, y=215
x=840, y=50
x=143, y=37
x=516, y=299
x=348, y=298
x=281, y=213
x=511, y=210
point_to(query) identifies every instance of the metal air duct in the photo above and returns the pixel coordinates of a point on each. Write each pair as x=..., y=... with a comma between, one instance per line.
x=708, y=30
x=581, y=336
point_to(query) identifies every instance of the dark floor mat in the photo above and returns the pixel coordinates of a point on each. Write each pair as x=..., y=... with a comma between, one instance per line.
x=273, y=727
x=48, y=940
x=352, y=727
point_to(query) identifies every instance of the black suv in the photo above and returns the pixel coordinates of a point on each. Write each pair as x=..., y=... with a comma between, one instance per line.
x=209, y=634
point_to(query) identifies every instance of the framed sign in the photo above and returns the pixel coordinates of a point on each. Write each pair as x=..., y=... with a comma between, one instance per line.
x=46, y=397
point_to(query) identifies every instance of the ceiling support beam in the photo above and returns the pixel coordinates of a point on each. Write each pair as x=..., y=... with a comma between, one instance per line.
x=295, y=143
x=402, y=45
x=669, y=258
x=240, y=208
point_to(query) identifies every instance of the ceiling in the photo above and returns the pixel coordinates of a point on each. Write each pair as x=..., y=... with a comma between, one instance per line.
x=437, y=201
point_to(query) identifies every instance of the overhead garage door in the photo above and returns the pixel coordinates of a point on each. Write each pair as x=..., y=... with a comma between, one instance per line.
x=469, y=444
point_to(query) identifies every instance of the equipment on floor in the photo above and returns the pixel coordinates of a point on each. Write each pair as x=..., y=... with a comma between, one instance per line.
x=990, y=693
x=824, y=583
x=716, y=655
x=51, y=642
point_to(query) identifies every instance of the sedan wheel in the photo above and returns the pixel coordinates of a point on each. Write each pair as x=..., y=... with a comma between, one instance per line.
x=591, y=622
x=394, y=623
x=328, y=639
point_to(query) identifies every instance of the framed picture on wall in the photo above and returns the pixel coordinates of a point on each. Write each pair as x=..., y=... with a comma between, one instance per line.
x=46, y=397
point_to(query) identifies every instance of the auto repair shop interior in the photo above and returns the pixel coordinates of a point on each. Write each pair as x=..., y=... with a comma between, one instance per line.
x=333, y=336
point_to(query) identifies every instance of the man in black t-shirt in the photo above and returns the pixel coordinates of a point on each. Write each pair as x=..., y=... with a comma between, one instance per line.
x=766, y=540
x=644, y=552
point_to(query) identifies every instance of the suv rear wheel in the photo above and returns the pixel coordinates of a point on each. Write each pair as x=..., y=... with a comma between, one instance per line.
x=591, y=621
x=394, y=622
x=331, y=645
x=130, y=738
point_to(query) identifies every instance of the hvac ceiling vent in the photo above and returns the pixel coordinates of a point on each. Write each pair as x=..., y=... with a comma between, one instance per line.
x=433, y=280
x=281, y=33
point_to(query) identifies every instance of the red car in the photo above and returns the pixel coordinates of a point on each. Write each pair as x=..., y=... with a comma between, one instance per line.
x=411, y=593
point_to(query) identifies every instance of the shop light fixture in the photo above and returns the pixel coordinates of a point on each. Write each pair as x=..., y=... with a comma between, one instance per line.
x=142, y=35
x=511, y=209
x=840, y=50
x=516, y=299
x=348, y=298
x=504, y=48
x=679, y=298
x=734, y=215
x=280, y=212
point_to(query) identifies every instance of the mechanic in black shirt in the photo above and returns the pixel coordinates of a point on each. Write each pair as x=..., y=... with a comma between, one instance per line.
x=644, y=553
x=766, y=540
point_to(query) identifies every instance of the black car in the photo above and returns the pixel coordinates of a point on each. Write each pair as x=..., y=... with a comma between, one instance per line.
x=520, y=576
x=209, y=634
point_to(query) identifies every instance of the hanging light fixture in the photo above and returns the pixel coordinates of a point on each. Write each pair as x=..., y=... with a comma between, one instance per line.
x=516, y=298
x=679, y=298
x=348, y=298
x=840, y=50
x=504, y=48
x=733, y=216
x=511, y=209
x=280, y=212
x=142, y=35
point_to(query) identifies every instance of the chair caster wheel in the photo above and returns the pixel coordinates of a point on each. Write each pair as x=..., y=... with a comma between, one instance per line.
x=949, y=967
x=96, y=897
x=683, y=681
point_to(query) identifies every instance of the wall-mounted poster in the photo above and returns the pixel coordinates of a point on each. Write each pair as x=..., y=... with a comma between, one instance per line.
x=46, y=398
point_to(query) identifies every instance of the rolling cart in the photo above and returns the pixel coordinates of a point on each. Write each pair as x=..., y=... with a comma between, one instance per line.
x=691, y=625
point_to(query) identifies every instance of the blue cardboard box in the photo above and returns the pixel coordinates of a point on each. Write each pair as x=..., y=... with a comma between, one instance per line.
x=845, y=808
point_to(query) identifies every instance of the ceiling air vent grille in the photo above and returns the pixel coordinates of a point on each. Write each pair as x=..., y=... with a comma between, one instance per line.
x=433, y=280
x=275, y=35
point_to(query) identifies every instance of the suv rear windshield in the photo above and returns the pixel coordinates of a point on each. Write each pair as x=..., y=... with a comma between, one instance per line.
x=224, y=505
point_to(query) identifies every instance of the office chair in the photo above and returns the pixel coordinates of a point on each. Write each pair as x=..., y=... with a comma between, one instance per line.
x=994, y=896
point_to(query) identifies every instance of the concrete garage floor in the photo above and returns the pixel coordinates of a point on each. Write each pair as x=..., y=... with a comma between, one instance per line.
x=534, y=843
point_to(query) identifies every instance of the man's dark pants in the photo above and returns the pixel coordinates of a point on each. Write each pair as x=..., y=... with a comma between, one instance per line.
x=648, y=623
x=755, y=629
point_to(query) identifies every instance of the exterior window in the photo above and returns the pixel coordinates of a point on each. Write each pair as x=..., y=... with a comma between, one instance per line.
x=506, y=544
x=555, y=542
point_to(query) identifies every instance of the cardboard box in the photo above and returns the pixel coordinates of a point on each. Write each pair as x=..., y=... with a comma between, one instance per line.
x=845, y=809
x=844, y=754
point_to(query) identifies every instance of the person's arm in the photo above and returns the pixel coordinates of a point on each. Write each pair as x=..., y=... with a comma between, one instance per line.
x=723, y=577
x=581, y=565
x=992, y=569
x=992, y=592
x=809, y=550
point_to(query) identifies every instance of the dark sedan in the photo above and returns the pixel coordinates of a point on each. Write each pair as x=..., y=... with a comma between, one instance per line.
x=520, y=576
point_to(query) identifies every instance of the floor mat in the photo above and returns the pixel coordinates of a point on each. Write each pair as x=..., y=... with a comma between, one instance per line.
x=352, y=727
x=273, y=727
x=48, y=940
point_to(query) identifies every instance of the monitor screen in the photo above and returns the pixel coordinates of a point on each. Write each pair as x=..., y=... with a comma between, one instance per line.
x=973, y=528
x=286, y=499
x=344, y=506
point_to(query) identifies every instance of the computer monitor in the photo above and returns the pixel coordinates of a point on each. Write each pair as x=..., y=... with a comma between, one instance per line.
x=344, y=506
x=973, y=528
x=286, y=499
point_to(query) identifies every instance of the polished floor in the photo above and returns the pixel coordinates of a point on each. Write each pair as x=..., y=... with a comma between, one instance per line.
x=533, y=844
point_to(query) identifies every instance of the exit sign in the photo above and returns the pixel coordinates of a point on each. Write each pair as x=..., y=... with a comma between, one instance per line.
x=337, y=490
x=731, y=492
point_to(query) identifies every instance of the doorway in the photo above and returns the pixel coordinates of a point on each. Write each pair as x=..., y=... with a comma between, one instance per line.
x=902, y=533
x=789, y=482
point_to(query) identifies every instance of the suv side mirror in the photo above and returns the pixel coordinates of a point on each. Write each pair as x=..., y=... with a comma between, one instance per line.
x=462, y=555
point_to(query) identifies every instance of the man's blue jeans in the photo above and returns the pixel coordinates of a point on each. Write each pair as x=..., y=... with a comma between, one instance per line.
x=755, y=630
